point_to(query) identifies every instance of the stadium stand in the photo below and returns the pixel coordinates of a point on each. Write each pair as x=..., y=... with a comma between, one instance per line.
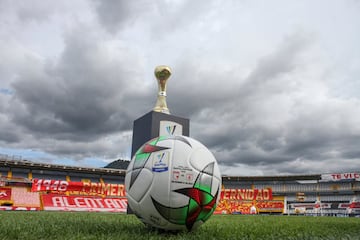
x=295, y=194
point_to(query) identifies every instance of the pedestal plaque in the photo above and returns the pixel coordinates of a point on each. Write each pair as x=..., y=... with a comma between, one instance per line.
x=154, y=124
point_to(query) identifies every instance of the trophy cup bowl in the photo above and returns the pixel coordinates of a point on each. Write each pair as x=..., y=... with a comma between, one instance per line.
x=162, y=74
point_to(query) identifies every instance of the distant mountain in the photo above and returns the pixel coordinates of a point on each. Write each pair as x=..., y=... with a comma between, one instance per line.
x=118, y=164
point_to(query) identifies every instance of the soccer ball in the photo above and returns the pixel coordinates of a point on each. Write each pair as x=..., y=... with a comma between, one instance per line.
x=173, y=183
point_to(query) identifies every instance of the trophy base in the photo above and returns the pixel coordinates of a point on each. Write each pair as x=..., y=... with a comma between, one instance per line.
x=161, y=110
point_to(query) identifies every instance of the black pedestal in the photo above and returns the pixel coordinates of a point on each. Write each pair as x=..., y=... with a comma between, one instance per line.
x=154, y=124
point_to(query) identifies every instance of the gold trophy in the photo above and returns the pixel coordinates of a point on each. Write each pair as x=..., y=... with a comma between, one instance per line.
x=162, y=74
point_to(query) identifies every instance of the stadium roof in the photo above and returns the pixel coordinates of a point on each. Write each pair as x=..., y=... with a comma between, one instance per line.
x=273, y=178
x=115, y=171
x=56, y=167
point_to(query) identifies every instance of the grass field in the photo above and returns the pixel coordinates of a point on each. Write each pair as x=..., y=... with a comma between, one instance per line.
x=81, y=225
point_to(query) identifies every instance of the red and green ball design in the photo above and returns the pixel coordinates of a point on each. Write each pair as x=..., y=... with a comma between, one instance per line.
x=201, y=203
x=200, y=207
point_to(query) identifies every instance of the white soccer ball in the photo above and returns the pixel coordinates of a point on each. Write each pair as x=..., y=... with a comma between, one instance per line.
x=173, y=183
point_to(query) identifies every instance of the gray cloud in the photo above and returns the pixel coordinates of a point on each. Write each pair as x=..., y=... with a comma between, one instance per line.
x=261, y=100
x=114, y=15
x=247, y=123
x=8, y=132
x=37, y=11
x=77, y=93
x=160, y=17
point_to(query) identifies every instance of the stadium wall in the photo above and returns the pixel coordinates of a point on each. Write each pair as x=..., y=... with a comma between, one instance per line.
x=26, y=185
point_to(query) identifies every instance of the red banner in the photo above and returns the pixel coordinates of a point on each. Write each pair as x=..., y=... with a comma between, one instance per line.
x=83, y=203
x=5, y=194
x=247, y=194
x=78, y=188
x=245, y=200
x=354, y=205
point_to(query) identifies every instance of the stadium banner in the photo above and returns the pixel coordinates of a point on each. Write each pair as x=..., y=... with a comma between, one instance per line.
x=5, y=194
x=57, y=202
x=240, y=201
x=247, y=194
x=243, y=207
x=78, y=188
x=341, y=176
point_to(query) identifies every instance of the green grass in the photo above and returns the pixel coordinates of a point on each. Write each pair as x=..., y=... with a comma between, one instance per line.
x=73, y=225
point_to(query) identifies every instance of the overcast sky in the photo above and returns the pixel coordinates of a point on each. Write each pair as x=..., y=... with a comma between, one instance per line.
x=270, y=87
